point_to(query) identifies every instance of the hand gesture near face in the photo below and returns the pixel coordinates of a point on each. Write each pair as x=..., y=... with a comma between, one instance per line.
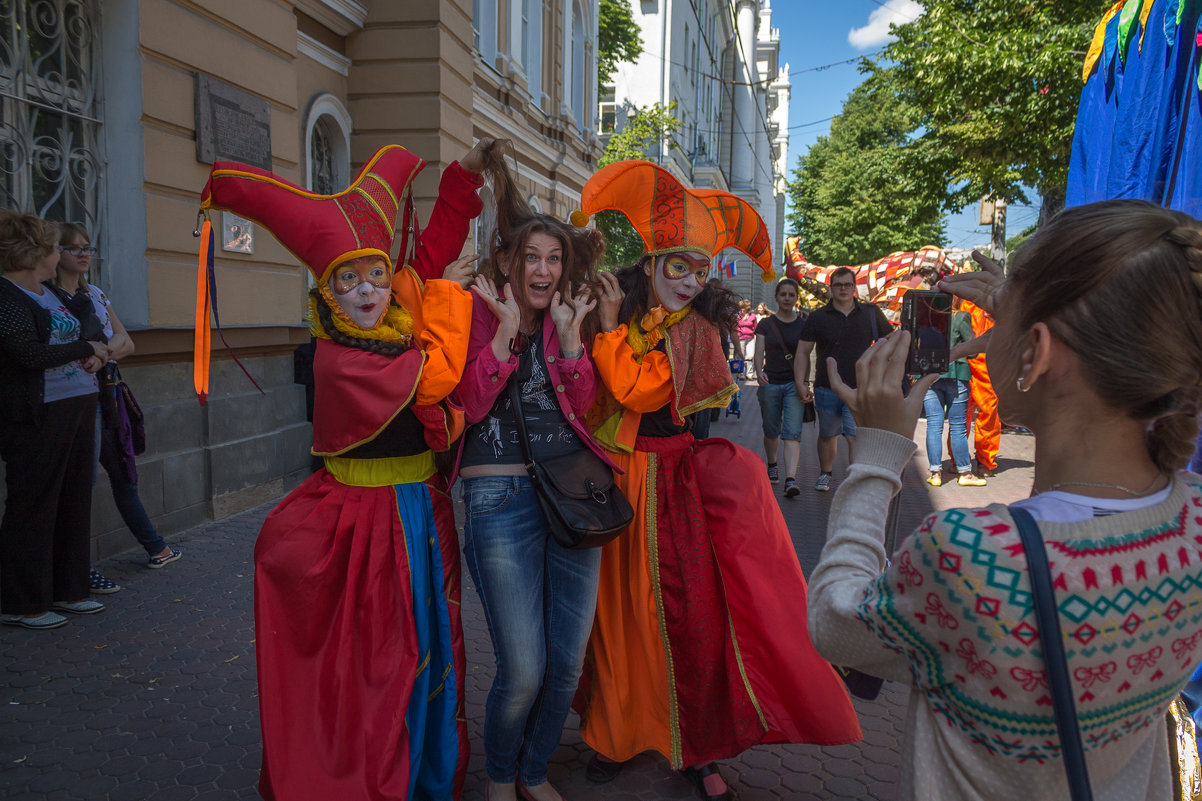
x=568, y=315
x=462, y=271
x=610, y=301
x=509, y=316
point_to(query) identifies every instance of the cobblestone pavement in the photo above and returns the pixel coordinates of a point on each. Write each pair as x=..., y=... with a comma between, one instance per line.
x=156, y=697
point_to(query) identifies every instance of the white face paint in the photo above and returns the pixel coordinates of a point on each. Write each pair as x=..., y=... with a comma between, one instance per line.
x=362, y=288
x=674, y=285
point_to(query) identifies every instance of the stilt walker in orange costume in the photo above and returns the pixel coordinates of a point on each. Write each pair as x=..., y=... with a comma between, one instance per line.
x=699, y=648
x=987, y=430
x=357, y=585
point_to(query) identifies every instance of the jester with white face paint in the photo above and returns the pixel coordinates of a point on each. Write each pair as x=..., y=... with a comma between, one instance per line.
x=357, y=576
x=699, y=610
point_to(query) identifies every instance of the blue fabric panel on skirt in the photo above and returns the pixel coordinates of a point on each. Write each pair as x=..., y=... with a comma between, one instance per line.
x=433, y=734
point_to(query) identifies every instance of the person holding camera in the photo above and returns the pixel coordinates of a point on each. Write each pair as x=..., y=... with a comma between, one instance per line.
x=48, y=395
x=842, y=330
x=1097, y=348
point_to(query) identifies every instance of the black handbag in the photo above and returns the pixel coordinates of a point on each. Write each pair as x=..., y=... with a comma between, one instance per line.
x=583, y=506
x=1047, y=618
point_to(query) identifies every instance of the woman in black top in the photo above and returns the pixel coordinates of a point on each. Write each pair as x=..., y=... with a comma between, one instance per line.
x=780, y=404
x=47, y=434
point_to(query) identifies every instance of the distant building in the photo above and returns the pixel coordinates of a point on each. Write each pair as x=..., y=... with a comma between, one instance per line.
x=112, y=119
x=718, y=60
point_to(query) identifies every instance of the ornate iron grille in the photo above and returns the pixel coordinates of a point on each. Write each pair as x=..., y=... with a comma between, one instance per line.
x=50, y=161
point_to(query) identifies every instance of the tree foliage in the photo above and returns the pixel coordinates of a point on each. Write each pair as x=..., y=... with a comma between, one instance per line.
x=996, y=85
x=618, y=37
x=648, y=131
x=856, y=195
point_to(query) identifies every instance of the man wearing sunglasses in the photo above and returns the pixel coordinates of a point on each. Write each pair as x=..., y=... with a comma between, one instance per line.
x=842, y=329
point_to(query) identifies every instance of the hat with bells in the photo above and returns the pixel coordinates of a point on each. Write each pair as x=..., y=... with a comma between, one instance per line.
x=673, y=219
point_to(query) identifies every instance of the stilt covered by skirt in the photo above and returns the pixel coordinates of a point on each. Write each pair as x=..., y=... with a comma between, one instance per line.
x=359, y=644
x=700, y=647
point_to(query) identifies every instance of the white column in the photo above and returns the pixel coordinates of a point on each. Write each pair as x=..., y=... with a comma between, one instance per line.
x=744, y=125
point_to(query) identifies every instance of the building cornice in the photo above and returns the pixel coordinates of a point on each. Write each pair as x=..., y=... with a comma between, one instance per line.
x=306, y=45
x=343, y=17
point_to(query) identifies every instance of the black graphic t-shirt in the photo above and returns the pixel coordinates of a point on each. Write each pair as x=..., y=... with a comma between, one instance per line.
x=494, y=440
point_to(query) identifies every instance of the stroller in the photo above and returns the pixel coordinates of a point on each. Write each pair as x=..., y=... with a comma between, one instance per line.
x=738, y=369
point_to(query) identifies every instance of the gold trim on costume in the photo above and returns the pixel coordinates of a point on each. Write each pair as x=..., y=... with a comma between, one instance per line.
x=384, y=472
x=388, y=422
x=676, y=757
x=742, y=671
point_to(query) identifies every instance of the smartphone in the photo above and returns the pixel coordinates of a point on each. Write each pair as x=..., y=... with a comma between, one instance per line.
x=927, y=315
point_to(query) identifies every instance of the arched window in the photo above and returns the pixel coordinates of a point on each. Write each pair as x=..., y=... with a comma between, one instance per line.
x=50, y=126
x=327, y=145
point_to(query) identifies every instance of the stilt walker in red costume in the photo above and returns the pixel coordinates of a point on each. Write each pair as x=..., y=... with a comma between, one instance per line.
x=357, y=584
x=699, y=649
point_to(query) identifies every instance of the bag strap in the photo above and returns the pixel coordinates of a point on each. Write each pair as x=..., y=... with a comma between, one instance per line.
x=780, y=340
x=515, y=401
x=1048, y=620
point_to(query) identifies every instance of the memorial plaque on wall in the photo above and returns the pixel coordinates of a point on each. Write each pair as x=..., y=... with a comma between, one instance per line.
x=231, y=124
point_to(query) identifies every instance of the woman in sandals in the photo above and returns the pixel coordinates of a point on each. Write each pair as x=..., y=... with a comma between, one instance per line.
x=699, y=650
x=48, y=395
x=532, y=297
x=1097, y=348
x=357, y=627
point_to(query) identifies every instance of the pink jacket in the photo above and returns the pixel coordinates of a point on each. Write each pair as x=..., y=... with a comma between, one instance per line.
x=485, y=378
x=746, y=325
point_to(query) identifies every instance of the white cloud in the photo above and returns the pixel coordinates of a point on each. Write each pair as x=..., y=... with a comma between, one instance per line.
x=876, y=32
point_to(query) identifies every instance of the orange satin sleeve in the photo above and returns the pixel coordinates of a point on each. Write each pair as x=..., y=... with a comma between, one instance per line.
x=639, y=386
x=446, y=320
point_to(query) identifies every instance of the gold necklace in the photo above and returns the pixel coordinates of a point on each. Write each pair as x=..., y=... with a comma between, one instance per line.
x=1145, y=491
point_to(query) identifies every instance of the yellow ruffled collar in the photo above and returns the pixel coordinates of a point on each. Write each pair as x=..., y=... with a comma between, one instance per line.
x=395, y=326
x=649, y=330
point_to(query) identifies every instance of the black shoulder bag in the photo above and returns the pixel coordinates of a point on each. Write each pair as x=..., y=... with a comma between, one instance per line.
x=1048, y=619
x=583, y=507
x=809, y=412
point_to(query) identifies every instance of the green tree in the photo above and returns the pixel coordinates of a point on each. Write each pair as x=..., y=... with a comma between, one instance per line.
x=649, y=130
x=996, y=84
x=856, y=195
x=618, y=37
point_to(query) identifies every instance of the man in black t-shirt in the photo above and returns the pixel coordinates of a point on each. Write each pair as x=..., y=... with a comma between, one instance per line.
x=842, y=329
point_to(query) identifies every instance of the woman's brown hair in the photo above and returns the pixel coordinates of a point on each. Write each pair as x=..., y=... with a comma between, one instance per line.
x=516, y=222
x=715, y=302
x=24, y=240
x=1120, y=283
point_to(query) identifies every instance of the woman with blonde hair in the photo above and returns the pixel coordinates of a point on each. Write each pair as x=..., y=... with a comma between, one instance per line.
x=48, y=395
x=1097, y=348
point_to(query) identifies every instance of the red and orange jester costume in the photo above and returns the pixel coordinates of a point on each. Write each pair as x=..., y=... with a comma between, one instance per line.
x=699, y=649
x=357, y=579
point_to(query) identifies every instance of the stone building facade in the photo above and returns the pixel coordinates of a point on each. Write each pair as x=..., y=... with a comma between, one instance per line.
x=112, y=109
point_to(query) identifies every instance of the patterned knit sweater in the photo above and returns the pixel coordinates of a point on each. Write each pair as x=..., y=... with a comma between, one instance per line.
x=951, y=615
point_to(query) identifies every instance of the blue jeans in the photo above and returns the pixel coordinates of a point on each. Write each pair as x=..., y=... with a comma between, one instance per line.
x=780, y=411
x=947, y=399
x=834, y=416
x=539, y=599
x=125, y=494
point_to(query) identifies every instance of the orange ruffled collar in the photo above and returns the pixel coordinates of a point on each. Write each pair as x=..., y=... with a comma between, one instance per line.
x=650, y=329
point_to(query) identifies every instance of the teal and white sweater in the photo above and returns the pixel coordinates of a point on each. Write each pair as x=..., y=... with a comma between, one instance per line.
x=951, y=615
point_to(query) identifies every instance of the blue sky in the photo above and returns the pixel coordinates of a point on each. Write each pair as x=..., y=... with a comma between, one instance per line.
x=816, y=33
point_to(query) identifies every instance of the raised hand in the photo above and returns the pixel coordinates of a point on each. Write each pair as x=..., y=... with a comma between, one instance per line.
x=979, y=287
x=609, y=301
x=568, y=316
x=462, y=271
x=505, y=308
x=877, y=400
x=474, y=160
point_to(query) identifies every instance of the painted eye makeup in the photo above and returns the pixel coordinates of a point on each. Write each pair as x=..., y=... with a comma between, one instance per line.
x=347, y=278
x=678, y=267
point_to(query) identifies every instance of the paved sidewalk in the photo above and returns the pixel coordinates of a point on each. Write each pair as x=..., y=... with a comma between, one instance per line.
x=155, y=699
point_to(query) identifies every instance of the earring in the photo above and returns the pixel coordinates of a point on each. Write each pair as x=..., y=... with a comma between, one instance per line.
x=1019, y=383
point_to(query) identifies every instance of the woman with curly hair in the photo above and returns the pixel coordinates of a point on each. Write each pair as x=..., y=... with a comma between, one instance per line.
x=698, y=651
x=358, y=635
x=538, y=596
